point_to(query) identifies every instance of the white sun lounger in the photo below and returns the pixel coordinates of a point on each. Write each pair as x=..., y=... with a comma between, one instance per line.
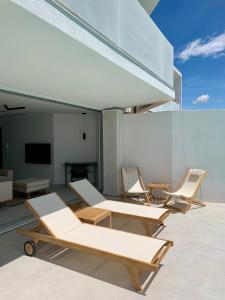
x=92, y=197
x=188, y=189
x=66, y=230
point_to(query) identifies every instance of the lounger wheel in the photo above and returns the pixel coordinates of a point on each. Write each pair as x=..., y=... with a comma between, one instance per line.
x=29, y=248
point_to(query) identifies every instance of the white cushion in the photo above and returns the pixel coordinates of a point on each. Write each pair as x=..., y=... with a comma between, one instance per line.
x=87, y=192
x=31, y=182
x=6, y=191
x=137, y=247
x=93, y=198
x=4, y=178
x=54, y=213
x=191, y=184
x=132, y=209
x=63, y=224
x=131, y=181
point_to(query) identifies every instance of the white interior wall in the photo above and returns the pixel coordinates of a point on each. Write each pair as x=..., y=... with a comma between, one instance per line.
x=68, y=143
x=22, y=129
x=62, y=131
x=164, y=145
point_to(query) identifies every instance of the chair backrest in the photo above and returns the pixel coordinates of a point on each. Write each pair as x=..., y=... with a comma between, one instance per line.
x=54, y=214
x=131, y=179
x=87, y=192
x=192, y=182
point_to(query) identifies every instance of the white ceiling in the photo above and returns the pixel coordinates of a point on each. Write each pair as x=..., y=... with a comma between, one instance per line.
x=34, y=106
x=38, y=59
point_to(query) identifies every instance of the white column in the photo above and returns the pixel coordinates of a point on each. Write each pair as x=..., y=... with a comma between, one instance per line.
x=112, y=151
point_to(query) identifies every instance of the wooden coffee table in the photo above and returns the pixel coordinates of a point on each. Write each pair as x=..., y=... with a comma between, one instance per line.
x=94, y=215
x=158, y=186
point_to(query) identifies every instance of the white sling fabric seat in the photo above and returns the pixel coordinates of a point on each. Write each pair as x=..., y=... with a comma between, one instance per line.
x=93, y=197
x=115, y=241
x=190, y=184
x=132, y=209
x=63, y=224
x=132, y=182
x=64, y=229
x=54, y=213
x=188, y=189
x=133, y=185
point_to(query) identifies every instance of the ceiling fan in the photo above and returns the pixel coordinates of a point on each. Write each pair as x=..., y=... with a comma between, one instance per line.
x=15, y=108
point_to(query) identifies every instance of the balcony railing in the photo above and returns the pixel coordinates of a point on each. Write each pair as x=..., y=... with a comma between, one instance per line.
x=125, y=25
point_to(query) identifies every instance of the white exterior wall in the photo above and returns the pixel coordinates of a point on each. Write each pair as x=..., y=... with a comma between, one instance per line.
x=165, y=145
x=199, y=142
x=112, y=151
x=148, y=145
x=177, y=85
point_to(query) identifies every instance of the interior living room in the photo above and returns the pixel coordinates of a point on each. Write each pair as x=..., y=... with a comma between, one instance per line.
x=36, y=156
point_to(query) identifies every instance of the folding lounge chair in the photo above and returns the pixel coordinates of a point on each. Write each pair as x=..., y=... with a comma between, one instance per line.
x=188, y=189
x=91, y=196
x=133, y=184
x=66, y=230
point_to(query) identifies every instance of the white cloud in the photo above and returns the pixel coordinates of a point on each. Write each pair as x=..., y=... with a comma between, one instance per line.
x=211, y=46
x=201, y=99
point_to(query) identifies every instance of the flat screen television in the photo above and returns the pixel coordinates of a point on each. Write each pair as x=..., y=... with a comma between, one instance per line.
x=38, y=153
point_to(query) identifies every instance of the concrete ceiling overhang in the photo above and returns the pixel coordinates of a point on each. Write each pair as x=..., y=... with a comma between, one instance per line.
x=34, y=106
x=52, y=57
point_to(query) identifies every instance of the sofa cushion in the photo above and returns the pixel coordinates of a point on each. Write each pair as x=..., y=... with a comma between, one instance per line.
x=30, y=182
x=4, y=178
x=6, y=191
x=8, y=174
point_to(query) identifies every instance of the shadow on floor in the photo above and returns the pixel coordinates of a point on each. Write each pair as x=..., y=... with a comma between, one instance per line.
x=108, y=271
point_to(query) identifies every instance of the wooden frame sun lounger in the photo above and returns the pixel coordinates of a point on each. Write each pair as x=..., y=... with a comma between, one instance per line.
x=92, y=197
x=133, y=184
x=66, y=230
x=187, y=189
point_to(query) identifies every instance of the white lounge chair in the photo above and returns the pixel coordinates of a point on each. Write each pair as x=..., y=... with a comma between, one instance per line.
x=66, y=230
x=133, y=185
x=188, y=189
x=92, y=197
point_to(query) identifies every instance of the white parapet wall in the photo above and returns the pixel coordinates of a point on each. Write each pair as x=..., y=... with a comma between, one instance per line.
x=127, y=25
x=148, y=145
x=166, y=144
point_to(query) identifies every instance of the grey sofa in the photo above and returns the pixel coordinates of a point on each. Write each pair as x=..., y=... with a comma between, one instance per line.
x=6, y=175
x=6, y=191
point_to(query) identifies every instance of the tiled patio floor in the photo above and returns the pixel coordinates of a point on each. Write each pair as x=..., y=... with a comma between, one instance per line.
x=193, y=269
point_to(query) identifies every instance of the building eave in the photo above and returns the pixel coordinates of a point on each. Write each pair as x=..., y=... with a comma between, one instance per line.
x=149, y=5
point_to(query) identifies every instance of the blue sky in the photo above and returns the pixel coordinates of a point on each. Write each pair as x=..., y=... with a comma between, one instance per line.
x=196, y=29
